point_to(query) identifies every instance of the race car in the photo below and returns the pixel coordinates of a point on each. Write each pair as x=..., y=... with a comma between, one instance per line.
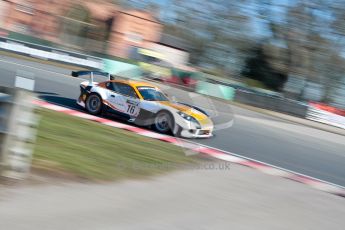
x=143, y=104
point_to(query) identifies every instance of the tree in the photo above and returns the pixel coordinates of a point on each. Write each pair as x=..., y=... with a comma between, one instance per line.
x=217, y=29
x=257, y=67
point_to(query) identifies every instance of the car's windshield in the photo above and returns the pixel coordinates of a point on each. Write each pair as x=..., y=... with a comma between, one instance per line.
x=151, y=94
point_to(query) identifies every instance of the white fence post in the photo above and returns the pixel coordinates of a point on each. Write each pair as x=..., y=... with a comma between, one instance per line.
x=19, y=135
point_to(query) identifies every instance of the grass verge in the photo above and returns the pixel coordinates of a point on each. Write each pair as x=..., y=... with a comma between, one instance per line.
x=94, y=151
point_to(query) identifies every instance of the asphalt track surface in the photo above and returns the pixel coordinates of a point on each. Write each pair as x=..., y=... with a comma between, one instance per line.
x=295, y=147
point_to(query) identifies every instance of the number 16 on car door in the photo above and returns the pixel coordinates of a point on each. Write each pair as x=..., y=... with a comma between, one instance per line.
x=132, y=107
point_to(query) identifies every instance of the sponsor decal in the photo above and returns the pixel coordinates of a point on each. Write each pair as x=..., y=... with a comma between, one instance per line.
x=135, y=103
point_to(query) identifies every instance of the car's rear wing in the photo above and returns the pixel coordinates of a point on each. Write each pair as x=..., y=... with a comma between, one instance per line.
x=92, y=74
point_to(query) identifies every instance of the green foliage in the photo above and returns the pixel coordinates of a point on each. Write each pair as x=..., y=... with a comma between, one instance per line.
x=258, y=69
x=255, y=83
x=98, y=152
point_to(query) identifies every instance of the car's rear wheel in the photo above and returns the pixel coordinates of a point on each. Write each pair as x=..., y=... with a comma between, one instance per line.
x=94, y=104
x=164, y=122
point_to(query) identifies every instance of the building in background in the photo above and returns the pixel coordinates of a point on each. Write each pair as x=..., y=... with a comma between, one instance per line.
x=100, y=27
x=175, y=50
x=3, y=12
x=40, y=18
x=133, y=28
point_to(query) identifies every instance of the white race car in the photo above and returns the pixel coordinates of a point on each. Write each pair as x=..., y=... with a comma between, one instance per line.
x=143, y=104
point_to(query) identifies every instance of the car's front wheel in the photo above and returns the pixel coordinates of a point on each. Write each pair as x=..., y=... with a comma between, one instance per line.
x=164, y=122
x=94, y=104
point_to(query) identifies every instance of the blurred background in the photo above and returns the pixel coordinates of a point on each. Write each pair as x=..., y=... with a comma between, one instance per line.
x=284, y=55
x=291, y=49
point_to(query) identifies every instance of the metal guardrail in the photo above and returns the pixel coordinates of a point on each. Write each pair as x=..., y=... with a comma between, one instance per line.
x=50, y=53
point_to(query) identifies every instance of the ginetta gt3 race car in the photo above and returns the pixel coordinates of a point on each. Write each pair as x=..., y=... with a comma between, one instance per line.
x=143, y=104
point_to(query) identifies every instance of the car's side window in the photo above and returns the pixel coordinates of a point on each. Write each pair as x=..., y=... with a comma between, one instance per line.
x=110, y=85
x=122, y=88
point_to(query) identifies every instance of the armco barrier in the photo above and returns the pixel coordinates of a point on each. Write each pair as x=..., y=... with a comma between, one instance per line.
x=272, y=103
x=215, y=90
x=218, y=80
x=49, y=53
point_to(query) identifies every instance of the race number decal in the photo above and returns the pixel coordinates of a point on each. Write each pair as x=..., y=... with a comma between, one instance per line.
x=132, y=107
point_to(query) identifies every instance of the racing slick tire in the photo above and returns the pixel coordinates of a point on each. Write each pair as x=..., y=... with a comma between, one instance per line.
x=94, y=104
x=164, y=122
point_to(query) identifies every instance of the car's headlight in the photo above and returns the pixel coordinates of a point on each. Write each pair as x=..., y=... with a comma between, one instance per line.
x=190, y=119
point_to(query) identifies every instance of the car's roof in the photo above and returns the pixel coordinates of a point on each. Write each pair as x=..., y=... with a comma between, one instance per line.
x=134, y=83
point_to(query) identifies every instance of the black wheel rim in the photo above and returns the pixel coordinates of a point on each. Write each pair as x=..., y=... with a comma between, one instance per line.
x=94, y=103
x=163, y=122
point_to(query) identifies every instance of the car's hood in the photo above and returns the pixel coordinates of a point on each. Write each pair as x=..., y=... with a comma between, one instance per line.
x=199, y=116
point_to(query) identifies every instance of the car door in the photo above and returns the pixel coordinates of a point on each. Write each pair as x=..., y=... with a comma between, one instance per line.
x=123, y=99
